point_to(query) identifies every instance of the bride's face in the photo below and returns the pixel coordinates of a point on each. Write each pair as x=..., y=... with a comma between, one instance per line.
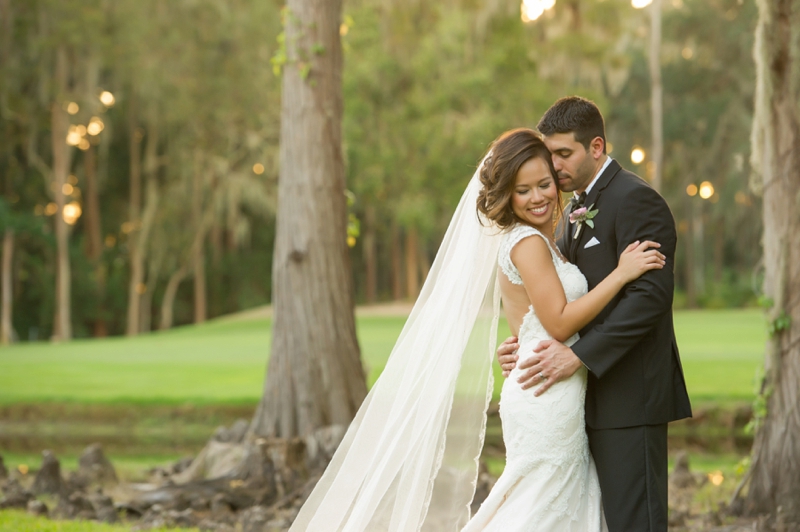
x=535, y=194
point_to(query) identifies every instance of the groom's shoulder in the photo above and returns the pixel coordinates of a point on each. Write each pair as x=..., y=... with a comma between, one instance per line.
x=626, y=182
x=626, y=179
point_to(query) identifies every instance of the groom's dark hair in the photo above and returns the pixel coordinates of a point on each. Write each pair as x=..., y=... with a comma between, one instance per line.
x=573, y=114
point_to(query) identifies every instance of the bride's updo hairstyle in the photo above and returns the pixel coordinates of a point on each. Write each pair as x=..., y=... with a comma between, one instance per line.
x=498, y=174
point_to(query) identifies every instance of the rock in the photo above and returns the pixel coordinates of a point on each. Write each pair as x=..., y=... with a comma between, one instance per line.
x=94, y=465
x=234, y=434
x=38, y=508
x=48, y=479
x=185, y=518
x=210, y=525
x=181, y=465
x=14, y=495
x=104, y=508
x=128, y=510
x=254, y=519
x=216, y=460
x=220, y=504
x=3, y=470
x=76, y=506
x=681, y=477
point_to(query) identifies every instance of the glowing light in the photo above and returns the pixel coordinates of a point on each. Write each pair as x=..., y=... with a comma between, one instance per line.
x=84, y=144
x=637, y=155
x=72, y=180
x=687, y=53
x=141, y=288
x=716, y=478
x=351, y=241
x=127, y=227
x=73, y=137
x=258, y=168
x=530, y=10
x=72, y=211
x=706, y=190
x=692, y=190
x=51, y=209
x=344, y=29
x=67, y=189
x=73, y=108
x=641, y=4
x=110, y=240
x=107, y=98
x=95, y=126
x=609, y=147
x=23, y=469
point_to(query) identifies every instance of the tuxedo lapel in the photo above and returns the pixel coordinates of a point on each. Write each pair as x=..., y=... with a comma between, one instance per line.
x=592, y=200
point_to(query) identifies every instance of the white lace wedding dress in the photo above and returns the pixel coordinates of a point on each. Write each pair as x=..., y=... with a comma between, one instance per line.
x=549, y=483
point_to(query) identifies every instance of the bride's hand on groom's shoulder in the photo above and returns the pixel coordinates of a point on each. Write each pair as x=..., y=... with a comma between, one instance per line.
x=552, y=362
x=507, y=355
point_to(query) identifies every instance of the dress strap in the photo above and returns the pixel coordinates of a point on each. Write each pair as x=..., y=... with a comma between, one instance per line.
x=511, y=239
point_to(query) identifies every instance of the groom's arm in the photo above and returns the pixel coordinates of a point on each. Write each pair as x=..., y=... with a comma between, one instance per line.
x=643, y=216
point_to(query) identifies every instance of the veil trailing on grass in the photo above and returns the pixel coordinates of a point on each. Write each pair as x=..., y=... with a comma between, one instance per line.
x=409, y=460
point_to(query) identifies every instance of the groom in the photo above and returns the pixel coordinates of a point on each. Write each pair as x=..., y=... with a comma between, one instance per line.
x=635, y=384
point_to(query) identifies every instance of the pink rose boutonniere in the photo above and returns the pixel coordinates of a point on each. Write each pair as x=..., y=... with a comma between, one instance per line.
x=582, y=216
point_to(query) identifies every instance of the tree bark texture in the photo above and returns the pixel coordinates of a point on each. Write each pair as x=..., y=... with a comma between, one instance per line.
x=6, y=327
x=198, y=250
x=397, y=264
x=656, y=95
x=369, y=244
x=94, y=240
x=412, y=263
x=134, y=218
x=168, y=302
x=61, y=163
x=774, y=486
x=314, y=376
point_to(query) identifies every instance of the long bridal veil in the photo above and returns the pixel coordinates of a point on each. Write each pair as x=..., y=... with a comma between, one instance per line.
x=409, y=460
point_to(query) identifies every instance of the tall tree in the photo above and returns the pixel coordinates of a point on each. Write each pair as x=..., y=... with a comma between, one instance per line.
x=62, y=155
x=774, y=486
x=314, y=376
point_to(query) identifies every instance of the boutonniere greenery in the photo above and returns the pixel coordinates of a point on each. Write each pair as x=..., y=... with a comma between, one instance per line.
x=582, y=216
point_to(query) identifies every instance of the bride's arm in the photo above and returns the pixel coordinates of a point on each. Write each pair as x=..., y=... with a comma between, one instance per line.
x=534, y=262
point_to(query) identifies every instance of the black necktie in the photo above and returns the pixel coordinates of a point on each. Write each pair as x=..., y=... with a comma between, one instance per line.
x=577, y=202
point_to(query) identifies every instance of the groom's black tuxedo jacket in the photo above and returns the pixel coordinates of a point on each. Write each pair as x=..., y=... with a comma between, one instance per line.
x=635, y=374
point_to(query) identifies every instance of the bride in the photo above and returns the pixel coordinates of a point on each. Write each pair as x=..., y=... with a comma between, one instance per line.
x=409, y=459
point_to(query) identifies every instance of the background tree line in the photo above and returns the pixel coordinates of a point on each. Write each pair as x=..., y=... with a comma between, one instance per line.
x=139, y=143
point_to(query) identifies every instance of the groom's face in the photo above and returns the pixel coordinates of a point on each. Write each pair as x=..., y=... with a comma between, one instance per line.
x=573, y=163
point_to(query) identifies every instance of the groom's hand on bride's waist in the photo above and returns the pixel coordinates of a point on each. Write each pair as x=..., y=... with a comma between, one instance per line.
x=507, y=355
x=551, y=363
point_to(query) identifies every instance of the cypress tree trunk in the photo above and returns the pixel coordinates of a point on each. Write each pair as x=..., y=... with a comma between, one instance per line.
x=774, y=486
x=94, y=240
x=134, y=218
x=6, y=328
x=198, y=249
x=61, y=161
x=314, y=376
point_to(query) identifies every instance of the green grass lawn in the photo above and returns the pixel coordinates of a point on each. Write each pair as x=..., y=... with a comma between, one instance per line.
x=225, y=361
x=19, y=521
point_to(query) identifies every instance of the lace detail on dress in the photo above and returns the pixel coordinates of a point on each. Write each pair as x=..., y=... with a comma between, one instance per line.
x=511, y=239
x=549, y=482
